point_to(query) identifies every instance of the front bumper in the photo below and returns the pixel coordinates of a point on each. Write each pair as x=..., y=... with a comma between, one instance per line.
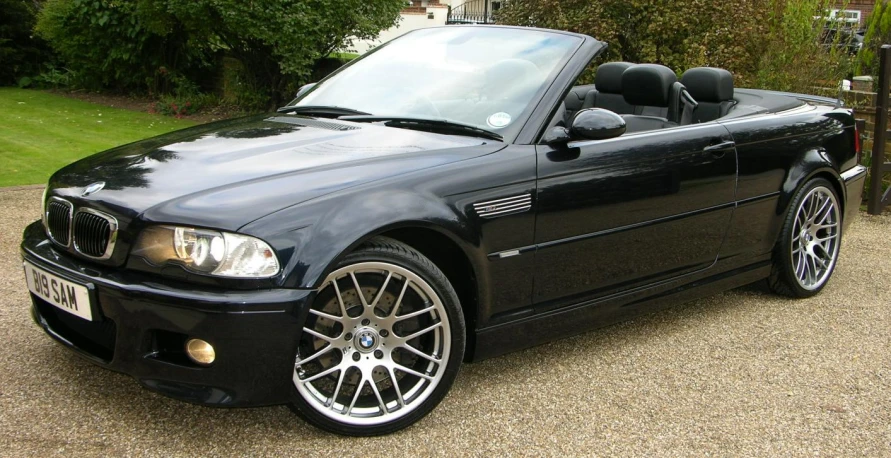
x=140, y=323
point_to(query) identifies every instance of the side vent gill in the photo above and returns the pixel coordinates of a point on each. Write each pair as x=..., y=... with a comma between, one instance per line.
x=504, y=206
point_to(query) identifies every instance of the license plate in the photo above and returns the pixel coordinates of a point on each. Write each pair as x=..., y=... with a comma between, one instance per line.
x=68, y=296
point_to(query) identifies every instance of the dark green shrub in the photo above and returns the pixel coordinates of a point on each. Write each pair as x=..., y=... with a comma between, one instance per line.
x=771, y=44
x=278, y=41
x=793, y=56
x=878, y=32
x=21, y=54
x=118, y=44
x=147, y=45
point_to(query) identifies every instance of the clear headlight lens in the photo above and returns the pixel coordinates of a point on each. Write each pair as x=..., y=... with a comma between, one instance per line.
x=43, y=205
x=204, y=251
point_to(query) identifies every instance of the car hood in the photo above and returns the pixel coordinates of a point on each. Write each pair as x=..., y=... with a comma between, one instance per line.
x=227, y=174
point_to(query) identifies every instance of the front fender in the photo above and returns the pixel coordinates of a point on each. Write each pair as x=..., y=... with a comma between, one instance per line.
x=334, y=226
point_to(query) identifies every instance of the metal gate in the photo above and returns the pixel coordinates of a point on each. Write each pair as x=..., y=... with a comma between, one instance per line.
x=474, y=12
x=879, y=167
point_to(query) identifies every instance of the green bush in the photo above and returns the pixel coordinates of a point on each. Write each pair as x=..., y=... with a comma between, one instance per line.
x=793, y=55
x=116, y=43
x=279, y=41
x=21, y=54
x=151, y=45
x=773, y=44
x=878, y=32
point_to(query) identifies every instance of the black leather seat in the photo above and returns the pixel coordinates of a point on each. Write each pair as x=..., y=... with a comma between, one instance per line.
x=607, y=92
x=713, y=89
x=575, y=100
x=652, y=85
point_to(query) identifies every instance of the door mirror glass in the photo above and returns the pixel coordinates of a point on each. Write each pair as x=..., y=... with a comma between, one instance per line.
x=596, y=124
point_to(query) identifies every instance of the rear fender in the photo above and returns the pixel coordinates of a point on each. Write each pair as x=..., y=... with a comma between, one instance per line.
x=807, y=165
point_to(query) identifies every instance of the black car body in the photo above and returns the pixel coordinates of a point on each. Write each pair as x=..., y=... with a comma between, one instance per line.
x=539, y=239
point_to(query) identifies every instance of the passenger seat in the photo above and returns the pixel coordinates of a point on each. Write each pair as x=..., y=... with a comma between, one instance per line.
x=652, y=85
x=713, y=89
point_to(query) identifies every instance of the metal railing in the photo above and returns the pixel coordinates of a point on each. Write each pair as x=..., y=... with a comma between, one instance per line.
x=473, y=12
x=879, y=167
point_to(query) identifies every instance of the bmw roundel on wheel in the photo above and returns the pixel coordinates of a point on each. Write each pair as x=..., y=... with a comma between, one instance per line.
x=346, y=254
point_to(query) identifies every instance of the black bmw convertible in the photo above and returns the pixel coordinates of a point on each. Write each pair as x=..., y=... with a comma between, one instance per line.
x=451, y=196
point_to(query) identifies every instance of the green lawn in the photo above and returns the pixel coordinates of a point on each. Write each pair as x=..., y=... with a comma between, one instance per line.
x=41, y=132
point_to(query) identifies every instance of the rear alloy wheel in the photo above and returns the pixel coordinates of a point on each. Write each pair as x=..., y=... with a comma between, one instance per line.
x=381, y=345
x=809, y=245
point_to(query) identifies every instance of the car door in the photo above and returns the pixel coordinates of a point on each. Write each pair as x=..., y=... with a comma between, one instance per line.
x=625, y=212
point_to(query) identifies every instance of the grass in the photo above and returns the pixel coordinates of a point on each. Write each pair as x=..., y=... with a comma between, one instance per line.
x=42, y=132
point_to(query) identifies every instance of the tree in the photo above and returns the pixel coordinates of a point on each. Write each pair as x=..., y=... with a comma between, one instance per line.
x=20, y=53
x=679, y=34
x=878, y=32
x=127, y=44
x=772, y=44
x=279, y=41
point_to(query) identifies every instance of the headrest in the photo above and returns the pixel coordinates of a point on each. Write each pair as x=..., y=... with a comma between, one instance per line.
x=707, y=84
x=609, y=77
x=648, y=85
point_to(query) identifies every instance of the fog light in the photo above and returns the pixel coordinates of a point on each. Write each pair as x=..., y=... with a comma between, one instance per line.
x=200, y=351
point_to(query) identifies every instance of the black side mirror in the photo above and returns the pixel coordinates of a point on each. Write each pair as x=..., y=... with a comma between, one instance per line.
x=596, y=124
x=304, y=89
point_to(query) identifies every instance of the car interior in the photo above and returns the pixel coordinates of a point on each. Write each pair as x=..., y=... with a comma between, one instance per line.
x=650, y=96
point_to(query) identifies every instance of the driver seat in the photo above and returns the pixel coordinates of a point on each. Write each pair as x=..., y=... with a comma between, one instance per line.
x=607, y=92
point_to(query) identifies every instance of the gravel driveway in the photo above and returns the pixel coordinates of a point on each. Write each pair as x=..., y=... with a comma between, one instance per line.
x=742, y=373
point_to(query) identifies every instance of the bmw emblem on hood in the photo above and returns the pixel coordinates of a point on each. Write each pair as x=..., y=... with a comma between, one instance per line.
x=93, y=188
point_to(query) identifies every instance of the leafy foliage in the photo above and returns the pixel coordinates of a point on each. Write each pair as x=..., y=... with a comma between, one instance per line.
x=772, y=44
x=878, y=32
x=125, y=44
x=796, y=56
x=20, y=53
x=117, y=44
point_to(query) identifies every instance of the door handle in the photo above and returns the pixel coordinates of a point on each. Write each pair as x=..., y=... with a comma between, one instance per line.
x=719, y=149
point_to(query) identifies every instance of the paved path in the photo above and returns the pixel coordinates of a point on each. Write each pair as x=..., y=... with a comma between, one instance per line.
x=743, y=373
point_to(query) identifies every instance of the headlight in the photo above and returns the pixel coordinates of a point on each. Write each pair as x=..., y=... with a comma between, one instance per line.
x=209, y=252
x=43, y=205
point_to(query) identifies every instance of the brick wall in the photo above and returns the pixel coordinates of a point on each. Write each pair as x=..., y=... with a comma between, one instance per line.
x=869, y=115
x=865, y=7
x=420, y=6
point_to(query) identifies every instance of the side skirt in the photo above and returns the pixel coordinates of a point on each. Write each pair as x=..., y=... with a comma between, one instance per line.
x=568, y=321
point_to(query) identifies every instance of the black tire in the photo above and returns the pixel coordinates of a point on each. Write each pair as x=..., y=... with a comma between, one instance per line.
x=307, y=399
x=789, y=277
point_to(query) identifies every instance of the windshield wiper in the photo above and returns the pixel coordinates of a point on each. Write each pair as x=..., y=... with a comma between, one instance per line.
x=322, y=110
x=427, y=124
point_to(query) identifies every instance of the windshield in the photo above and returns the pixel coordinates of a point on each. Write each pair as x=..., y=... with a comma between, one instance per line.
x=484, y=77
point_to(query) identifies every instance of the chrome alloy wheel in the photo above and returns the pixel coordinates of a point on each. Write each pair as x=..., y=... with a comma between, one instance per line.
x=374, y=345
x=815, y=238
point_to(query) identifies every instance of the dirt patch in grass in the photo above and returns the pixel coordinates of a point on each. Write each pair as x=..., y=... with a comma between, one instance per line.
x=145, y=104
x=126, y=102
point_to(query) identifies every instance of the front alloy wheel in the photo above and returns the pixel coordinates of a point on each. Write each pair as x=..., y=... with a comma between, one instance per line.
x=381, y=344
